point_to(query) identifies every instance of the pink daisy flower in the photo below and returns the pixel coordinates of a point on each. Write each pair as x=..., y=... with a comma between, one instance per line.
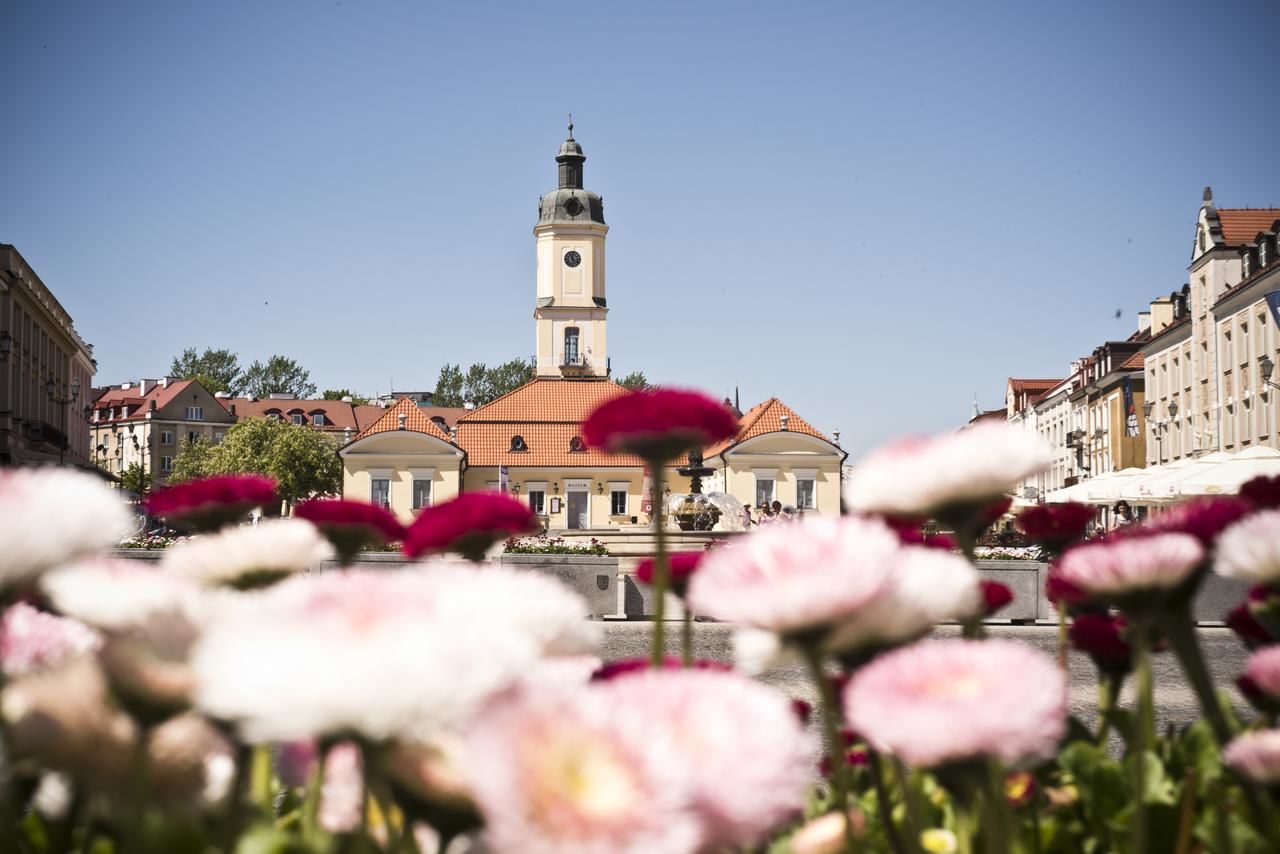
x=1260, y=682
x=469, y=525
x=560, y=771
x=796, y=579
x=969, y=468
x=350, y=525
x=1105, y=569
x=718, y=718
x=939, y=702
x=31, y=639
x=1255, y=756
x=1250, y=549
x=209, y=503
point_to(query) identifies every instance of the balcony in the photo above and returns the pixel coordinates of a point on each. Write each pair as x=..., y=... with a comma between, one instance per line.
x=42, y=432
x=574, y=363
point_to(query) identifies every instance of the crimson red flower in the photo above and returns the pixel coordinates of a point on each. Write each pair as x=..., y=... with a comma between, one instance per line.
x=626, y=666
x=994, y=596
x=1262, y=492
x=1202, y=518
x=658, y=425
x=991, y=514
x=1060, y=591
x=469, y=525
x=1055, y=526
x=1250, y=632
x=1102, y=637
x=682, y=566
x=803, y=711
x=350, y=525
x=1019, y=788
x=209, y=503
x=1263, y=602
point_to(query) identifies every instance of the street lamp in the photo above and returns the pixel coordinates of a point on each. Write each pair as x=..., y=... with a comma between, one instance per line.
x=1268, y=367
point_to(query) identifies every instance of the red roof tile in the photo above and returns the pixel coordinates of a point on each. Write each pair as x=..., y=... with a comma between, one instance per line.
x=1133, y=363
x=416, y=419
x=162, y=395
x=1241, y=225
x=766, y=418
x=1031, y=385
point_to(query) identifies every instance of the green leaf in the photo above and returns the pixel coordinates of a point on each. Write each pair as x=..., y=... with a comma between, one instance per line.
x=1099, y=778
x=268, y=840
x=1158, y=788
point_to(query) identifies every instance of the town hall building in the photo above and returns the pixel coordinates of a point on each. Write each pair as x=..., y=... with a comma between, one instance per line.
x=528, y=442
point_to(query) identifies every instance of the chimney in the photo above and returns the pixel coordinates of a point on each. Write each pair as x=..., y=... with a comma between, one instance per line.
x=784, y=418
x=346, y=434
x=1161, y=314
x=221, y=395
x=346, y=398
x=401, y=419
x=164, y=382
x=125, y=386
x=1144, y=321
x=145, y=385
x=469, y=405
x=233, y=409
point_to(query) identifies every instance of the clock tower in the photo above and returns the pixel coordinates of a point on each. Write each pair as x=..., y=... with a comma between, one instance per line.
x=570, y=311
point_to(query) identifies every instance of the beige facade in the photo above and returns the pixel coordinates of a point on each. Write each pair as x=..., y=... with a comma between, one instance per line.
x=403, y=470
x=46, y=372
x=147, y=423
x=1204, y=366
x=797, y=469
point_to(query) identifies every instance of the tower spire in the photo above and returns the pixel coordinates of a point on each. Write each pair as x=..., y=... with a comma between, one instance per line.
x=571, y=126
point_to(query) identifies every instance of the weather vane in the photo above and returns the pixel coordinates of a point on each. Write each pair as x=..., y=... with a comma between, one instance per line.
x=571, y=126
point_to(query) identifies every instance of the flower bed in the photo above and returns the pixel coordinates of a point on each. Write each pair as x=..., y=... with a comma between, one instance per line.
x=545, y=545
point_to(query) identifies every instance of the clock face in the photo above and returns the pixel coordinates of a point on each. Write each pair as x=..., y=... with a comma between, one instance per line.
x=572, y=258
x=573, y=207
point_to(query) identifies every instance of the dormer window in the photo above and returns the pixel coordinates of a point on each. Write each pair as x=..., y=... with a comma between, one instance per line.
x=518, y=445
x=576, y=445
x=1244, y=265
x=317, y=419
x=1262, y=252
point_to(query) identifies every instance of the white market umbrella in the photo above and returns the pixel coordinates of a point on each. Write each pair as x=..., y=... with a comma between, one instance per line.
x=1106, y=488
x=1148, y=489
x=1075, y=492
x=1226, y=477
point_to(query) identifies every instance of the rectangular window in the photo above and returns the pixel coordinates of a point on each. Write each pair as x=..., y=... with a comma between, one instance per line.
x=218, y=437
x=380, y=494
x=617, y=502
x=538, y=501
x=806, y=494
x=192, y=437
x=317, y=420
x=571, y=345
x=166, y=464
x=166, y=437
x=195, y=413
x=764, y=491
x=299, y=419
x=421, y=493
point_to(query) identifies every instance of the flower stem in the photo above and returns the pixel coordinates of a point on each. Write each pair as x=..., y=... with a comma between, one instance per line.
x=964, y=826
x=1063, y=660
x=311, y=803
x=835, y=743
x=138, y=795
x=911, y=797
x=1108, y=694
x=260, y=784
x=997, y=809
x=1186, y=812
x=661, y=568
x=1143, y=732
x=1180, y=631
x=686, y=646
x=883, y=806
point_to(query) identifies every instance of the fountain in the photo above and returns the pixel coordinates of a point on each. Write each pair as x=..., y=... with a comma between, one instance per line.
x=695, y=511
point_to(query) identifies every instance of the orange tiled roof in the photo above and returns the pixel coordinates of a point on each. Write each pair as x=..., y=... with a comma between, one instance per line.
x=990, y=415
x=162, y=395
x=416, y=420
x=766, y=418
x=548, y=400
x=1133, y=363
x=1241, y=225
x=1031, y=385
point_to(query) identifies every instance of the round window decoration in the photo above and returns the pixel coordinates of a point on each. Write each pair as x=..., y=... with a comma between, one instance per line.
x=572, y=258
x=573, y=207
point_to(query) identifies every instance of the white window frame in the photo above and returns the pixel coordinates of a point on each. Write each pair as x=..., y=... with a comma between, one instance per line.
x=624, y=488
x=195, y=413
x=166, y=437
x=770, y=475
x=166, y=464
x=539, y=487
x=422, y=474
x=811, y=476
x=299, y=418
x=376, y=475
x=317, y=420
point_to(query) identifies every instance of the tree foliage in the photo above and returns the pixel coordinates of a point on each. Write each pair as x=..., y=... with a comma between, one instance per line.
x=304, y=461
x=635, y=381
x=280, y=375
x=480, y=383
x=216, y=370
x=135, y=480
x=340, y=393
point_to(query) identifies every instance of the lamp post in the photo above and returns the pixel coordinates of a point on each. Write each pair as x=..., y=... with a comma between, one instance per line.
x=1148, y=408
x=51, y=389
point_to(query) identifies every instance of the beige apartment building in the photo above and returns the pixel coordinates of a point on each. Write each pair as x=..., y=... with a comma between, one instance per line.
x=147, y=422
x=46, y=372
x=1212, y=339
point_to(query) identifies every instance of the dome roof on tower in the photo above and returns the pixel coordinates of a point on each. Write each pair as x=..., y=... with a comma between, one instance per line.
x=571, y=206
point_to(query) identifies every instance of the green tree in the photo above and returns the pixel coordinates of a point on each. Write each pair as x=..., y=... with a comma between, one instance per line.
x=280, y=375
x=303, y=461
x=449, y=387
x=508, y=376
x=340, y=393
x=216, y=370
x=635, y=381
x=135, y=480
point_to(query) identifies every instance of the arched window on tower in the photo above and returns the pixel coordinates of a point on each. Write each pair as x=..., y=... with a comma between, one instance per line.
x=571, y=354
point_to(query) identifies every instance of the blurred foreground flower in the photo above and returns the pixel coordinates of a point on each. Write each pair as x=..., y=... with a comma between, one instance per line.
x=658, y=425
x=52, y=515
x=209, y=503
x=469, y=525
x=826, y=833
x=995, y=596
x=1255, y=756
x=578, y=771
x=247, y=557
x=1260, y=682
x=1250, y=549
x=1102, y=638
x=1203, y=518
x=950, y=701
x=682, y=567
x=380, y=654
x=950, y=477
x=801, y=580
x=31, y=639
x=350, y=525
x=1114, y=569
x=632, y=666
x=717, y=719
x=64, y=720
x=1055, y=526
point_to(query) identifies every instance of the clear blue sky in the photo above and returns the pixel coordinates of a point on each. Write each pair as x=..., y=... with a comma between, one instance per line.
x=871, y=210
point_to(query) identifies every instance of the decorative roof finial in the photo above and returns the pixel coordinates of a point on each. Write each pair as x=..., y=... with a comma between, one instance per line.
x=571, y=126
x=1208, y=191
